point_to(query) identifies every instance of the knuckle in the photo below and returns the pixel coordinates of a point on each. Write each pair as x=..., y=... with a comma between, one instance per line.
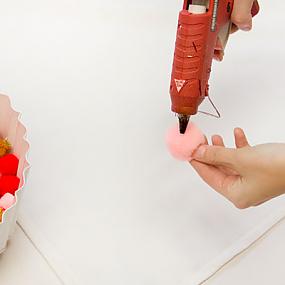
x=240, y=19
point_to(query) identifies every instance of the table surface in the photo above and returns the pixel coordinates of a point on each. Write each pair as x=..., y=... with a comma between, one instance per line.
x=91, y=79
x=21, y=263
x=263, y=263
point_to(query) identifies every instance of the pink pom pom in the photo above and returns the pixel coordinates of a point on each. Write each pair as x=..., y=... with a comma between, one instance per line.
x=7, y=201
x=182, y=146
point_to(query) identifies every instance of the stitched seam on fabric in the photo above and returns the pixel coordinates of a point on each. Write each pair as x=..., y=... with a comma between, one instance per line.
x=41, y=254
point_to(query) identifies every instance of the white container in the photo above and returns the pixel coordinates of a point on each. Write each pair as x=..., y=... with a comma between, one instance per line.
x=14, y=130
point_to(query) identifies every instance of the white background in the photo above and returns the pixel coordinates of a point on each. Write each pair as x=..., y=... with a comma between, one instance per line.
x=91, y=79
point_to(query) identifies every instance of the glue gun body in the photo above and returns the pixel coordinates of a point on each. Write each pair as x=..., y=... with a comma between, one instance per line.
x=203, y=29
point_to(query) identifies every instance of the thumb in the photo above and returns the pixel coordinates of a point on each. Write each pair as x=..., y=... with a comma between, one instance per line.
x=215, y=155
x=241, y=15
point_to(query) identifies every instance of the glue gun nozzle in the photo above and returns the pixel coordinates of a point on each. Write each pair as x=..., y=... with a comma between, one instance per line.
x=183, y=123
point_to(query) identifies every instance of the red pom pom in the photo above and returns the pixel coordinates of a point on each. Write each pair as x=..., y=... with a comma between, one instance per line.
x=9, y=184
x=9, y=164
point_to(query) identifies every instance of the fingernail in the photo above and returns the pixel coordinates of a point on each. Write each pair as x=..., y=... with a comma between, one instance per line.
x=246, y=27
x=199, y=153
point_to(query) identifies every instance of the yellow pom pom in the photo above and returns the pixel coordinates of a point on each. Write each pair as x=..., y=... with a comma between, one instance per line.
x=5, y=147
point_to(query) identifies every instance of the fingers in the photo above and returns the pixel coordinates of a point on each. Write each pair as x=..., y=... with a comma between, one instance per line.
x=239, y=135
x=214, y=177
x=240, y=138
x=225, y=169
x=227, y=185
x=217, y=140
x=241, y=15
x=215, y=155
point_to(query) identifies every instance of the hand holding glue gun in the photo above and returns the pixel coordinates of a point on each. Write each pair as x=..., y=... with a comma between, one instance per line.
x=242, y=15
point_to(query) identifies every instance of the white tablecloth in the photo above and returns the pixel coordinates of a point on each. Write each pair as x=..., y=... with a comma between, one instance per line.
x=105, y=201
